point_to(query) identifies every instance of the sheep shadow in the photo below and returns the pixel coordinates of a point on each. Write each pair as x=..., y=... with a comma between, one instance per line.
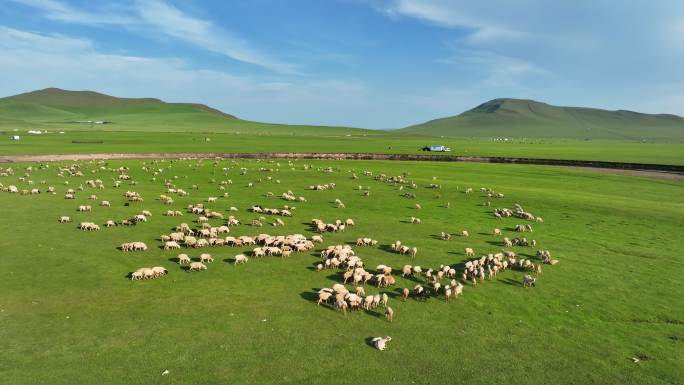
x=458, y=253
x=437, y=237
x=414, y=278
x=396, y=293
x=173, y=259
x=387, y=248
x=369, y=342
x=312, y=297
x=510, y=281
x=374, y=313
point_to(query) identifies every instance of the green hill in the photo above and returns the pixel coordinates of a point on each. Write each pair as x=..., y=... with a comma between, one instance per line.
x=58, y=109
x=516, y=118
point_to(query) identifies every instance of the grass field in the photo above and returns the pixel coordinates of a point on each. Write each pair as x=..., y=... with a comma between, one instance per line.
x=528, y=118
x=151, y=142
x=69, y=314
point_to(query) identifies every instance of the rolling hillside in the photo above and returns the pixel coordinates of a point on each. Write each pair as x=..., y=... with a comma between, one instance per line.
x=516, y=118
x=57, y=109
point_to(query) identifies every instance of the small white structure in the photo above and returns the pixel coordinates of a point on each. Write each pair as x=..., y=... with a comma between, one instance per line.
x=34, y=132
x=439, y=148
x=15, y=137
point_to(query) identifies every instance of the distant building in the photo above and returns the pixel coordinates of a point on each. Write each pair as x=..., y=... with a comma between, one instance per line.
x=15, y=137
x=436, y=148
x=34, y=132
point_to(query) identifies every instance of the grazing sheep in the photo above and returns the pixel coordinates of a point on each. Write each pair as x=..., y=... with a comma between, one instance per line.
x=183, y=258
x=205, y=257
x=469, y=252
x=197, y=266
x=458, y=290
x=528, y=281
x=497, y=232
x=159, y=271
x=324, y=296
x=64, y=219
x=465, y=233
x=407, y=271
x=169, y=245
x=240, y=259
x=384, y=299
x=389, y=314
x=405, y=294
x=137, y=275
x=380, y=343
x=148, y=273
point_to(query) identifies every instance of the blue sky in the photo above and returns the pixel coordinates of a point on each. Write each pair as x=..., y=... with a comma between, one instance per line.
x=375, y=64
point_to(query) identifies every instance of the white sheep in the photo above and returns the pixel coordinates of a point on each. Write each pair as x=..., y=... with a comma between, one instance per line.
x=240, y=259
x=196, y=266
x=380, y=343
x=389, y=314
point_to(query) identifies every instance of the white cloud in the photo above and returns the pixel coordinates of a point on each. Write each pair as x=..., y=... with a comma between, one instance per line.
x=32, y=61
x=455, y=14
x=163, y=18
x=59, y=11
x=203, y=33
x=496, y=71
x=16, y=39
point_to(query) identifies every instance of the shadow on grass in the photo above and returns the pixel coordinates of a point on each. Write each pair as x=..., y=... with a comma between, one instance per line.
x=510, y=281
x=369, y=342
x=374, y=313
x=312, y=297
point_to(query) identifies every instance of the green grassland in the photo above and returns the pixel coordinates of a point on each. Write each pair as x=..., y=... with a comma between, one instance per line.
x=515, y=118
x=534, y=130
x=151, y=142
x=69, y=314
x=56, y=109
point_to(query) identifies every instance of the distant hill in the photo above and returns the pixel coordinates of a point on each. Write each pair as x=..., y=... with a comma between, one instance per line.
x=54, y=108
x=516, y=118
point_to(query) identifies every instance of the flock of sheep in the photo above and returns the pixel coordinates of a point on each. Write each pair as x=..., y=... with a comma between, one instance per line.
x=446, y=281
